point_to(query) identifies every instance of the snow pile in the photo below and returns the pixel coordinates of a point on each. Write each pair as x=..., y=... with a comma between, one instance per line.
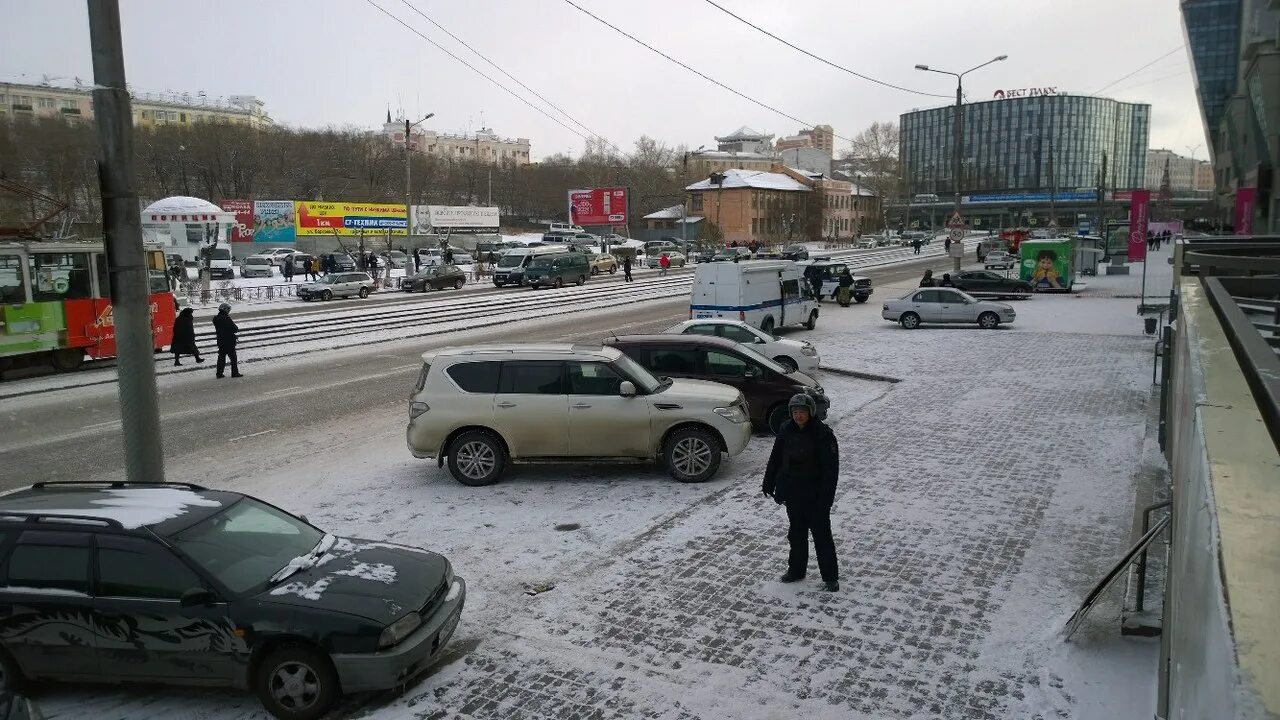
x=140, y=507
x=306, y=591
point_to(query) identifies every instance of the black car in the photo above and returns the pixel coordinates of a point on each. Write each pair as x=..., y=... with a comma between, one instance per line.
x=766, y=385
x=342, y=262
x=990, y=284
x=173, y=583
x=795, y=252
x=436, y=277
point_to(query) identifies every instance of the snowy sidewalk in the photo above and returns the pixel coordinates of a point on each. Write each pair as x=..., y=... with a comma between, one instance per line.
x=979, y=499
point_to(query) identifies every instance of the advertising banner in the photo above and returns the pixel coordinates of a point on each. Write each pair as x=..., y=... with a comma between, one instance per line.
x=1138, y=225
x=1047, y=264
x=242, y=229
x=273, y=222
x=348, y=219
x=1064, y=196
x=1246, y=199
x=454, y=217
x=598, y=206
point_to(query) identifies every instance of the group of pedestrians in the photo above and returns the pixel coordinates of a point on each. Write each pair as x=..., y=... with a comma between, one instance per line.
x=225, y=330
x=1157, y=239
x=928, y=281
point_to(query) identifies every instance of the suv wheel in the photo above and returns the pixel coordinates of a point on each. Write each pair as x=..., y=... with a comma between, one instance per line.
x=477, y=458
x=582, y=279
x=296, y=682
x=559, y=282
x=861, y=298
x=812, y=322
x=692, y=454
x=613, y=269
x=778, y=415
x=364, y=292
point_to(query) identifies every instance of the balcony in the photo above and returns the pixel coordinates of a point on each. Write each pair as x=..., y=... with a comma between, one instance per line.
x=22, y=108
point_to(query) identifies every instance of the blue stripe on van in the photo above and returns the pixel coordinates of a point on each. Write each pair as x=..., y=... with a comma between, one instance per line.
x=743, y=308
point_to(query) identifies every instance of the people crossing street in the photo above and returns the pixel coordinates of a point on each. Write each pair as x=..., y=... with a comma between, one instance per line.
x=226, y=330
x=626, y=268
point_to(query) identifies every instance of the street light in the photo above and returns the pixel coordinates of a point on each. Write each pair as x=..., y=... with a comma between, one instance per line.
x=408, y=209
x=956, y=152
x=684, y=224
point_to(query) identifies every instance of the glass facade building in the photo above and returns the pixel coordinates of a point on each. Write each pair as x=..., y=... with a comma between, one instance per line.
x=1213, y=34
x=1009, y=145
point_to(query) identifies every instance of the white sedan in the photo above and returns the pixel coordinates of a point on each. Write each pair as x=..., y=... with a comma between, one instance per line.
x=790, y=354
x=945, y=305
x=999, y=259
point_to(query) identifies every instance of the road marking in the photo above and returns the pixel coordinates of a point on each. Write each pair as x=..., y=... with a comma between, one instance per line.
x=101, y=425
x=283, y=390
x=243, y=437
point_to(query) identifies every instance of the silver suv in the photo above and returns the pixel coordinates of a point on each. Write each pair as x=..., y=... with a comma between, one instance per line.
x=483, y=407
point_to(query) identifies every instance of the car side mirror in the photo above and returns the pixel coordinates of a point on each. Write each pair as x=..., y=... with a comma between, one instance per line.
x=626, y=389
x=196, y=597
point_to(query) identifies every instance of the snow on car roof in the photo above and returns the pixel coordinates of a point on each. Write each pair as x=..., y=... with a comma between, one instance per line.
x=132, y=507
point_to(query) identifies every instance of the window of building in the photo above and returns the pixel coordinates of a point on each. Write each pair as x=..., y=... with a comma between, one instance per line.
x=68, y=104
x=46, y=102
x=695, y=202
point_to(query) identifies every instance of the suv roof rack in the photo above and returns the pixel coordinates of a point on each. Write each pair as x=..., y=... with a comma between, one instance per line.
x=112, y=484
x=37, y=517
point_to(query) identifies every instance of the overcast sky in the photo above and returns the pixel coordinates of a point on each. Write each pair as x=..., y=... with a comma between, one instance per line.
x=342, y=62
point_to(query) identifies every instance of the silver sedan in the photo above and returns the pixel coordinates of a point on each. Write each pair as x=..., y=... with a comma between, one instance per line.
x=945, y=305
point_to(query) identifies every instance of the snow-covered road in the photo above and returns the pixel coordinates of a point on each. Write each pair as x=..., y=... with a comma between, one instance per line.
x=979, y=497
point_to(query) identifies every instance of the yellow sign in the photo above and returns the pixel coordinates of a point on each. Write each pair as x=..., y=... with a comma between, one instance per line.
x=349, y=219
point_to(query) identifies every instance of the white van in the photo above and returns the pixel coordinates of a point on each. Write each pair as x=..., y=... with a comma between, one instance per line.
x=765, y=293
x=220, y=264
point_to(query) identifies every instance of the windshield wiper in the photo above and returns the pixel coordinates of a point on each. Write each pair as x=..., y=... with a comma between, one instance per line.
x=305, y=562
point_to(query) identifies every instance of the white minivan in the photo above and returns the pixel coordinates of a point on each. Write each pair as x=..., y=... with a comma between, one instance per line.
x=221, y=266
x=763, y=293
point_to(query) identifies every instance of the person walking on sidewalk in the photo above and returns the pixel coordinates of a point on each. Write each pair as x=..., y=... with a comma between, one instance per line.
x=226, y=330
x=915, y=245
x=626, y=268
x=664, y=264
x=801, y=474
x=286, y=268
x=184, y=337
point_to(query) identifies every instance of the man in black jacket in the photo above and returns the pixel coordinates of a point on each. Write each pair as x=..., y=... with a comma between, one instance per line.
x=802, y=474
x=226, y=330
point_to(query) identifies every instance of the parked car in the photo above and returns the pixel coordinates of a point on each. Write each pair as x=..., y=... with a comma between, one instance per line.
x=945, y=305
x=767, y=386
x=654, y=247
x=300, y=262
x=278, y=255
x=487, y=406
x=178, y=584
x=999, y=259
x=462, y=257
x=343, y=261
x=766, y=294
x=654, y=260
x=436, y=277
x=395, y=259
x=795, y=252
x=340, y=284
x=221, y=266
x=728, y=254
x=828, y=271
x=603, y=262
x=791, y=354
x=989, y=283
x=510, y=268
x=257, y=266
x=555, y=269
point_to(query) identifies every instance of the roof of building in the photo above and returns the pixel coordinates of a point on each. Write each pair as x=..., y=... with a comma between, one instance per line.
x=751, y=179
x=675, y=212
x=743, y=133
x=731, y=155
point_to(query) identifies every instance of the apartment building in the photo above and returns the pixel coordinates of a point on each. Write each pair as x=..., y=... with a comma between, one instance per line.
x=75, y=103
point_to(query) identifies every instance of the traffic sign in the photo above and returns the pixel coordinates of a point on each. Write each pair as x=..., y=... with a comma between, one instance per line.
x=956, y=221
x=956, y=235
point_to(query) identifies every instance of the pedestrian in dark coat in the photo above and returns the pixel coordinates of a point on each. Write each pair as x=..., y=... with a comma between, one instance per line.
x=946, y=281
x=184, y=337
x=815, y=283
x=626, y=268
x=226, y=330
x=915, y=245
x=802, y=473
x=927, y=280
x=286, y=268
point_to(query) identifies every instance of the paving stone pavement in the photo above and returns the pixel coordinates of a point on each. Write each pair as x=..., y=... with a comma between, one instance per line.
x=946, y=484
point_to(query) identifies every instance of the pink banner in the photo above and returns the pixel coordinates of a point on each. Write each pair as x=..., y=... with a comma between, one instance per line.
x=1138, y=225
x=1246, y=198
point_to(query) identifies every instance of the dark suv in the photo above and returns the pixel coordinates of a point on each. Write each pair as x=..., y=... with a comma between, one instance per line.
x=172, y=583
x=766, y=385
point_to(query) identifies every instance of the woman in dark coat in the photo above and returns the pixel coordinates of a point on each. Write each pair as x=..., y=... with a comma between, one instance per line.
x=184, y=337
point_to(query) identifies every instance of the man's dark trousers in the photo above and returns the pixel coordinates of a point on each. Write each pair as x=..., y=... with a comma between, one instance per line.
x=807, y=519
x=235, y=367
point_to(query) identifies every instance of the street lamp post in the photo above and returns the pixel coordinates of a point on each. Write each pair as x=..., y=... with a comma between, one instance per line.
x=684, y=178
x=408, y=208
x=956, y=133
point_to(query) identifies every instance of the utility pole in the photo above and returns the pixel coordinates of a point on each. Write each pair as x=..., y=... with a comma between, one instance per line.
x=408, y=170
x=122, y=227
x=1102, y=219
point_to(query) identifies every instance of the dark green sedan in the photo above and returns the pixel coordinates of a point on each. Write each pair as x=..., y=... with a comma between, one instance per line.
x=984, y=283
x=436, y=277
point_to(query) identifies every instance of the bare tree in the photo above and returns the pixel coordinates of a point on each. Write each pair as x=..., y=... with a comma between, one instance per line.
x=874, y=161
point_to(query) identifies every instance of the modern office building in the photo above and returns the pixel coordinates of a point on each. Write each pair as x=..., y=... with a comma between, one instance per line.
x=48, y=100
x=1235, y=54
x=1017, y=145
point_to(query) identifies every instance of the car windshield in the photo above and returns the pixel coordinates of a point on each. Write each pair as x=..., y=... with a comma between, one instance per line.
x=221, y=254
x=248, y=544
x=511, y=260
x=425, y=273
x=642, y=377
x=257, y=261
x=761, y=359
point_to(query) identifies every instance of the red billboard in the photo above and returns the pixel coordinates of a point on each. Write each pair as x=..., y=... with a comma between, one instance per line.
x=1138, y=225
x=242, y=231
x=598, y=206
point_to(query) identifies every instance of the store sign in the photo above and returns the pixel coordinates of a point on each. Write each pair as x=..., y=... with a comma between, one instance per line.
x=242, y=230
x=598, y=206
x=453, y=217
x=1025, y=92
x=348, y=219
x=1036, y=197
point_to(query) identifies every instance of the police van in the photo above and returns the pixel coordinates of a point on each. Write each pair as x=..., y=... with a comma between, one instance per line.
x=765, y=293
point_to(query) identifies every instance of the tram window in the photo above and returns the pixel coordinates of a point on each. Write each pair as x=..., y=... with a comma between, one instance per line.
x=104, y=280
x=12, y=289
x=60, y=276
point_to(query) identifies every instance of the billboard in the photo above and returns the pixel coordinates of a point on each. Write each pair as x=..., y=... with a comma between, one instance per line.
x=273, y=222
x=1046, y=264
x=330, y=218
x=1138, y=225
x=242, y=230
x=598, y=206
x=454, y=217
x=1044, y=197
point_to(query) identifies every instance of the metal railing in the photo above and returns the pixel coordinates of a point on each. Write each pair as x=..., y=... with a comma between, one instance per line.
x=1256, y=353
